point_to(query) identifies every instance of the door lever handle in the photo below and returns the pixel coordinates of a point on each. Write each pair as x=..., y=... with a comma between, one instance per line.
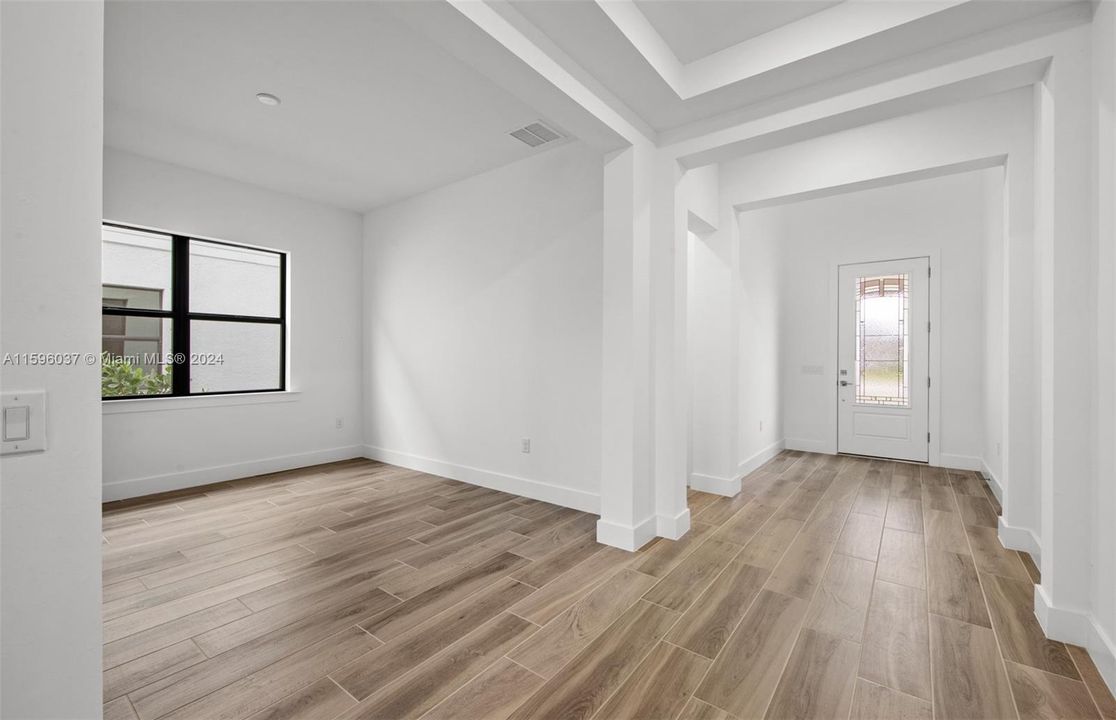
x=843, y=383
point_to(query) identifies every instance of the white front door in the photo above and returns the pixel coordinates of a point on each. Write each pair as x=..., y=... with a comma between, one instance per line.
x=883, y=361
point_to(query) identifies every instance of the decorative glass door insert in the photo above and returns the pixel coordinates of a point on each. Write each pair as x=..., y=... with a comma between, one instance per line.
x=882, y=369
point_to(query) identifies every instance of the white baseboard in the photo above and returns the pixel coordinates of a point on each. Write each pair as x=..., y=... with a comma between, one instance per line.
x=814, y=446
x=137, y=487
x=557, y=494
x=1079, y=628
x=716, y=485
x=627, y=537
x=993, y=481
x=959, y=462
x=1019, y=538
x=675, y=527
x=753, y=463
x=730, y=486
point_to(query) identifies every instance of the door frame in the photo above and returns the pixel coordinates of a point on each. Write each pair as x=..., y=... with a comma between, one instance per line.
x=934, y=411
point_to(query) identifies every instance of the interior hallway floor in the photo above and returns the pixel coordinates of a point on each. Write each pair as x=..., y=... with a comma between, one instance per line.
x=832, y=587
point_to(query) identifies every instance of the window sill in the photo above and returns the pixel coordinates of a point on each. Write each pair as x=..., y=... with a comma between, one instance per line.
x=195, y=402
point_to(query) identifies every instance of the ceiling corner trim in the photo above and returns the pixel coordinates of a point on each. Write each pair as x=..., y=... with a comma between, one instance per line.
x=621, y=121
x=812, y=35
x=983, y=162
x=807, y=37
x=635, y=26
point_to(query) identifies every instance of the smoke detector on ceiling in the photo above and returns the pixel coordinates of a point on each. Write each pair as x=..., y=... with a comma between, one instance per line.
x=535, y=134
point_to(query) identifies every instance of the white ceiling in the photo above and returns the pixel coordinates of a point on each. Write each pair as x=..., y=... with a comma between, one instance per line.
x=372, y=110
x=383, y=100
x=697, y=28
x=585, y=33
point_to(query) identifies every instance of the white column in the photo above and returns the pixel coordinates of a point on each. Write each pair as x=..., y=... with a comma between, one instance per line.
x=644, y=380
x=1021, y=522
x=1103, y=503
x=1067, y=256
x=669, y=299
x=627, y=482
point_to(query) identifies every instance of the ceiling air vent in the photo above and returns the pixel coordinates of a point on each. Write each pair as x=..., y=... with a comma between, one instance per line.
x=536, y=134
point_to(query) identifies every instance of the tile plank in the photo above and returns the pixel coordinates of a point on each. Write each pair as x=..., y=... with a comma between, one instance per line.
x=799, y=572
x=661, y=558
x=744, y=676
x=992, y=557
x=545, y=604
x=119, y=709
x=1011, y=605
x=871, y=501
x=706, y=625
x=876, y=702
x=700, y=710
x=258, y=690
x=492, y=695
x=397, y=620
x=977, y=511
x=1102, y=696
x=768, y=545
x=896, y=650
x=954, y=588
x=691, y=576
x=746, y=523
x=322, y=699
x=1041, y=695
x=374, y=670
x=938, y=497
x=429, y=684
x=819, y=679
x=902, y=558
x=841, y=603
x=540, y=572
x=945, y=532
x=565, y=636
x=969, y=679
x=904, y=514
x=660, y=687
x=580, y=688
x=861, y=536
x=161, y=636
x=133, y=675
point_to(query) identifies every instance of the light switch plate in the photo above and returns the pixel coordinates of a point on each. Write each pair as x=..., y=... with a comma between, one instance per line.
x=22, y=422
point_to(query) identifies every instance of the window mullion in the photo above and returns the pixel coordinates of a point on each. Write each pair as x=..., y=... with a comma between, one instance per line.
x=282, y=321
x=180, y=307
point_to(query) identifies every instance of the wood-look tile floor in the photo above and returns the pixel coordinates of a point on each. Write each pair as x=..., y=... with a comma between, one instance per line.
x=832, y=587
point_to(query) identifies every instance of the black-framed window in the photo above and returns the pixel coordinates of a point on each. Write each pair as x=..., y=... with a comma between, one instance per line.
x=190, y=316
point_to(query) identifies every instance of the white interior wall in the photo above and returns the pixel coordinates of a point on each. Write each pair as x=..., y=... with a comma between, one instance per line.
x=698, y=200
x=153, y=445
x=796, y=249
x=762, y=326
x=482, y=327
x=994, y=335
x=1103, y=491
x=711, y=360
x=50, y=521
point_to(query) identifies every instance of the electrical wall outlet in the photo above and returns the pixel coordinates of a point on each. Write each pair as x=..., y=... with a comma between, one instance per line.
x=339, y=423
x=761, y=425
x=525, y=445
